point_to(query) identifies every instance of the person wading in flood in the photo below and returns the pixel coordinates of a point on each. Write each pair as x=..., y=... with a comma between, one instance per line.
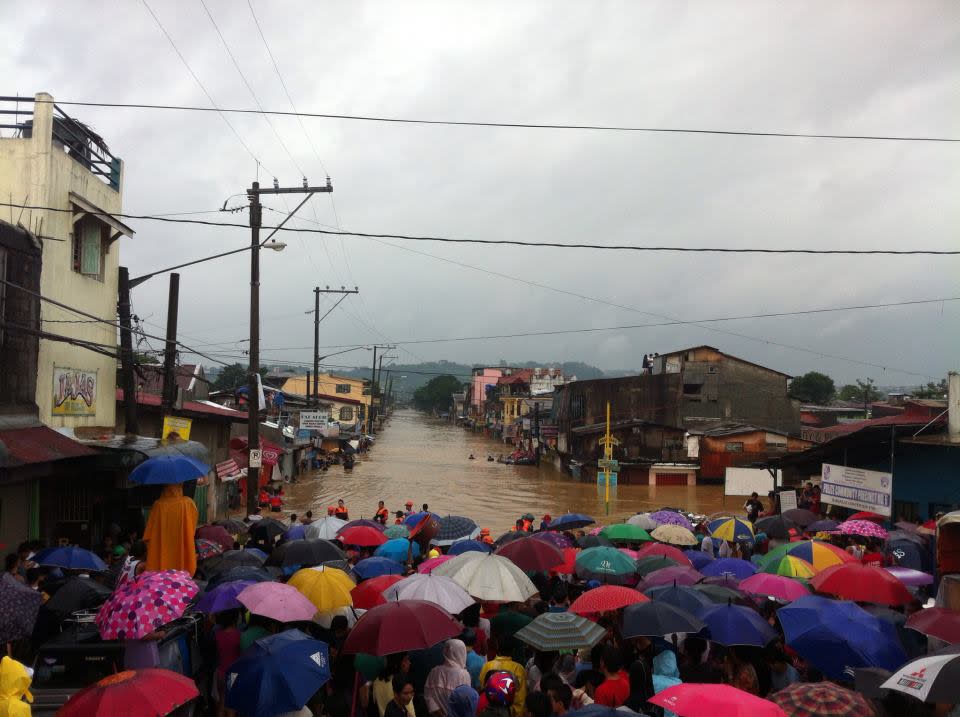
x=382, y=514
x=341, y=512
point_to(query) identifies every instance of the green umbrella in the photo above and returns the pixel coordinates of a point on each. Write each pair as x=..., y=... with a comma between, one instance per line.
x=654, y=562
x=718, y=593
x=625, y=532
x=397, y=531
x=605, y=564
x=554, y=631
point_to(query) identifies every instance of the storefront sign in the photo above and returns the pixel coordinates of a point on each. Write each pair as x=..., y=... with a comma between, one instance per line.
x=314, y=420
x=74, y=392
x=177, y=426
x=857, y=488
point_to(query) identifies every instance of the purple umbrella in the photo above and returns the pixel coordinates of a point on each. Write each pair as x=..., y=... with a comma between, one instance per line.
x=676, y=575
x=740, y=569
x=726, y=581
x=560, y=540
x=222, y=597
x=698, y=558
x=910, y=577
x=296, y=532
x=669, y=517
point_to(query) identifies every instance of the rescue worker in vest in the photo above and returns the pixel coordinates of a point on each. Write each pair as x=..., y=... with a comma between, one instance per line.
x=276, y=501
x=341, y=512
x=331, y=509
x=485, y=536
x=409, y=510
x=382, y=514
x=263, y=499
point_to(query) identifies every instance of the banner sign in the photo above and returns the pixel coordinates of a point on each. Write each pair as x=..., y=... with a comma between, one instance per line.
x=788, y=500
x=74, y=392
x=314, y=420
x=177, y=426
x=857, y=489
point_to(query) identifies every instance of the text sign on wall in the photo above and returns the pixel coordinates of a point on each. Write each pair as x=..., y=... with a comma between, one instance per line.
x=788, y=500
x=177, y=426
x=74, y=392
x=314, y=420
x=857, y=488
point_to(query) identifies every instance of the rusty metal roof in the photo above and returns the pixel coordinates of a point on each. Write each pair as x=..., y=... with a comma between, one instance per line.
x=37, y=444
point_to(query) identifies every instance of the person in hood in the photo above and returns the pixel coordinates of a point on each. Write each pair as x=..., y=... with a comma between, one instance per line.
x=15, y=681
x=462, y=702
x=665, y=674
x=444, y=679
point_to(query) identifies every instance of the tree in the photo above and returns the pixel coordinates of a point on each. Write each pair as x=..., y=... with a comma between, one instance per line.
x=436, y=395
x=812, y=387
x=932, y=390
x=233, y=376
x=863, y=391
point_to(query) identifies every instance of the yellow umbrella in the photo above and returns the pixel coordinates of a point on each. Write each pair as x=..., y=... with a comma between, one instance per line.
x=674, y=535
x=327, y=588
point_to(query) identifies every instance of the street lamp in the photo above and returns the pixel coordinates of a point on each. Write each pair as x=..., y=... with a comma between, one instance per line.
x=275, y=245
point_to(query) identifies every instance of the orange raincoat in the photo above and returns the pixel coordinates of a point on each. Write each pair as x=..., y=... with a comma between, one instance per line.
x=170, y=531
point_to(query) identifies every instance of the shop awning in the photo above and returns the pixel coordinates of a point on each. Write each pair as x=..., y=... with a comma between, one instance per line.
x=37, y=444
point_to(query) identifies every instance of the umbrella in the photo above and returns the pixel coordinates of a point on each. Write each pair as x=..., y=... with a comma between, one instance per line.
x=737, y=625
x=865, y=583
x=838, y=636
x=532, y=555
x=411, y=520
x=398, y=549
x=718, y=593
x=605, y=564
x=656, y=619
x=674, y=535
x=905, y=553
x=361, y=535
x=256, y=551
x=731, y=529
x=681, y=596
x=571, y=521
x=397, y=531
x=863, y=528
x=677, y=575
x=283, y=603
x=819, y=554
x=278, y=674
x=296, y=532
x=553, y=631
x=326, y=588
x=910, y=577
x=675, y=554
x=654, y=562
x=454, y=528
x=774, y=586
x=217, y=534
x=364, y=523
x=671, y=517
x=593, y=541
x=821, y=699
x=569, y=562
x=240, y=572
x=468, y=546
x=625, y=533
x=305, y=552
x=427, y=566
x=695, y=700
x=140, y=606
x=400, y=627
x=369, y=593
x=560, y=540
x=77, y=594
x=698, y=558
x=488, y=577
x=134, y=693
x=937, y=622
x=867, y=515
x=605, y=599
x=267, y=529
x=376, y=567
x=506, y=623
x=437, y=589
x=726, y=580
x=800, y=516
x=776, y=527
x=788, y=566
x=932, y=678
x=222, y=597
x=644, y=521
x=736, y=567
x=168, y=470
x=326, y=528
x=233, y=526
x=510, y=536
x=206, y=549
x=821, y=526
x=231, y=559
x=71, y=558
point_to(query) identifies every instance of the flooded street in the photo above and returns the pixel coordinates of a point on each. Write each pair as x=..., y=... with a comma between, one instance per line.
x=425, y=460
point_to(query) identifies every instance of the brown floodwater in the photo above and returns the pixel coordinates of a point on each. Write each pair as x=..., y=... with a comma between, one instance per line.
x=425, y=460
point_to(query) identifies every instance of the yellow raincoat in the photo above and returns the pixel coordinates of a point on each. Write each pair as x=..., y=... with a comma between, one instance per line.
x=170, y=530
x=14, y=688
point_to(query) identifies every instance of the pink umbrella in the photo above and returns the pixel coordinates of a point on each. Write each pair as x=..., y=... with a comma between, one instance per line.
x=864, y=528
x=595, y=531
x=678, y=574
x=277, y=601
x=216, y=533
x=695, y=700
x=427, y=566
x=140, y=606
x=776, y=586
x=631, y=553
x=667, y=551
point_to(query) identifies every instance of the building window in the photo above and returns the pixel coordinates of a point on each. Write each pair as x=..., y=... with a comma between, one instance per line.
x=346, y=413
x=734, y=447
x=88, y=248
x=343, y=388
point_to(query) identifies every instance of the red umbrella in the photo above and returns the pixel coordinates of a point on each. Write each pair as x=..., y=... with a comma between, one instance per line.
x=569, y=562
x=693, y=700
x=216, y=534
x=400, y=627
x=667, y=551
x=133, y=693
x=362, y=535
x=867, y=515
x=533, y=556
x=369, y=593
x=606, y=598
x=937, y=622
x=862, y=583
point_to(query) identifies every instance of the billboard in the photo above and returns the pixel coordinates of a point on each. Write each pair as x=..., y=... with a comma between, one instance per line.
x=857, y=488
x=314, y=420
x=744, y=481
x=74, y=392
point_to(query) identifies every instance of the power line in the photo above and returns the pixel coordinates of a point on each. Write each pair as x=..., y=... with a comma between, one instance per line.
x=514, y=125
x=516, y=242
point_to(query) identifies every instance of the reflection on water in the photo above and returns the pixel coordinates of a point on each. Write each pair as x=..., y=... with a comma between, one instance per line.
x=425, y=460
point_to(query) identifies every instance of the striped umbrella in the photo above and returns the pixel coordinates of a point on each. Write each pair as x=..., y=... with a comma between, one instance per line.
x=819, y=554
x=816, y=699
x=553, y=631
x=789, y=566
x=731, y=529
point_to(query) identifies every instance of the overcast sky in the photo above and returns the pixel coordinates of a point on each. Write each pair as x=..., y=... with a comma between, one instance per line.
x=849, y=68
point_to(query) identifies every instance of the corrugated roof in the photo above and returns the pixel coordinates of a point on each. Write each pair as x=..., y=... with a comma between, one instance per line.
x=729, y=356
x=37, y=444
x=204, y=408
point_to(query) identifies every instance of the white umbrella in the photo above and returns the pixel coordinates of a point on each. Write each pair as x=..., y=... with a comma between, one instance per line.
x=323, y=619
x=488, y=577
x=327, y=528
x=643, y=520
x=437, y=589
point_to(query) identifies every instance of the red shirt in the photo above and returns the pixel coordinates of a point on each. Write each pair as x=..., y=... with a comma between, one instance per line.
x=614, y=691
x=875, y=559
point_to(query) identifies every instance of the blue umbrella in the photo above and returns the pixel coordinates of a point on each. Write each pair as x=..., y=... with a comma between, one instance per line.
x=698, y=558
x=681, y=596
x=571, y=521
x=259, y=553
x=468, y=546
x=838, y=636
x=737, y=625
x=414, y=518
x=222, y=597
x=277, y=674
x=168, y=470
x=397, y=549
x=295, y=532
x=70, y=557
x=375, y=567
x=740, y=569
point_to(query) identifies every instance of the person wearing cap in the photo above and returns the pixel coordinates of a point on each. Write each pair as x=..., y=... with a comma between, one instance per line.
x=545, y=523
x=331, y=509
x=409, y=508
x=485, y=536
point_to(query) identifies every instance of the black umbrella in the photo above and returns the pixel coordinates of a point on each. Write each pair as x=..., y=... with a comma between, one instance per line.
x=231, y=559
x=656, y=619
x=593, y=541
x=801, y=516
x=454, y=528
x=510, y=537
x=267, y=529
x=305, y=553
x=775, y=526
x=19, y=606
x=257, y=575
x=905, y=554
x=233, y=525
x=77, y=594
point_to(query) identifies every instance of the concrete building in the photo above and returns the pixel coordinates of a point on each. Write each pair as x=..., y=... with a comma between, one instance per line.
x=350, y=396
x=482, y=379
x=58, y=162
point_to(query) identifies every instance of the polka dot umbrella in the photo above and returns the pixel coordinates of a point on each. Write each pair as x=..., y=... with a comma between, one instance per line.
x=140, y=606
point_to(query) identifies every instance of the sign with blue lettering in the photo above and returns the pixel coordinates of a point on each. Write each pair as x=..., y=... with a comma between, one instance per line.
x=857, y=489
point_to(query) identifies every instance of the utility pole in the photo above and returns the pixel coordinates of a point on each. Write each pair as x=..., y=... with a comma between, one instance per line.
x=373, y=394
x=126, y=355
x=316, y=333
x=536, y=431
x=253, y=393
x=169, y=392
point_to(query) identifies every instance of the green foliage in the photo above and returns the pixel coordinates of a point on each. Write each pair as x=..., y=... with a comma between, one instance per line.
x=932, y=390
x=233, y=376
x=435, y=395
x=863, y=391
x=812, y=387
